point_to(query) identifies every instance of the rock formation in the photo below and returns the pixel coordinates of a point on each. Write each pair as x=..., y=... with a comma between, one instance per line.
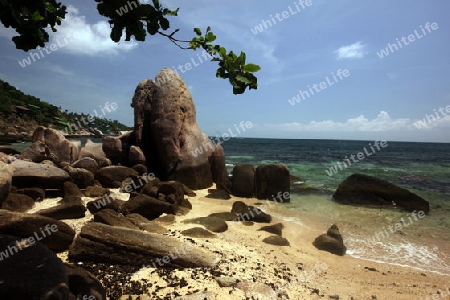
x=359, y=189
x=166, y=129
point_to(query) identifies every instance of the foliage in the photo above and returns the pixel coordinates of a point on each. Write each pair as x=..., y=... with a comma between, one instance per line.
x=47, y=114
x=30, y=17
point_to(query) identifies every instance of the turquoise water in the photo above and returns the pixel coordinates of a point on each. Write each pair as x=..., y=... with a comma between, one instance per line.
x=422, y=168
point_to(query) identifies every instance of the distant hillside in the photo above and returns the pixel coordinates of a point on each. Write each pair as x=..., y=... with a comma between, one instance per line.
x=17, y=106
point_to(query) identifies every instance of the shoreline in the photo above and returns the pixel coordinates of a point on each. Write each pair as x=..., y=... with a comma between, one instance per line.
x=299, y=271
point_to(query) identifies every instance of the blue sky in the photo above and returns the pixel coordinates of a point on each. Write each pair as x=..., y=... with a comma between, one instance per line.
x=381, y=98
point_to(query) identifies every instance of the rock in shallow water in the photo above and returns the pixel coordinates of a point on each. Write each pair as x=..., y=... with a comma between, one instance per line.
x=359, y=189
x=331, y=242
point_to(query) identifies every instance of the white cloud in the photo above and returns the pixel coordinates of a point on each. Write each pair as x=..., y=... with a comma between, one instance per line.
x=356, y=50
x=54, y=68
x=382, y=123
x=87, y=39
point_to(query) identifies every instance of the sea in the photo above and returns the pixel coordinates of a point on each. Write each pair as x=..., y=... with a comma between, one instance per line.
x=369, y=233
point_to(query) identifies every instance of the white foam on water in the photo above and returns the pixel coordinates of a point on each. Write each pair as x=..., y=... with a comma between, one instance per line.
x=401, y=253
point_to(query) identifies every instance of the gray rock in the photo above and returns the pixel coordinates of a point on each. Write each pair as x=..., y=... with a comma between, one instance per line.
x=276, y=241
x=18, y=203
x=95, y=151
x=6, y=172
x=82, y=283
x=105, y=202
x=86, y=163
x=114, y=218
x=147, y=207
x=227, y=281
x=48, y=143
x=71, y=189
x=112, y=147
x=28, y=174
x=198, y=232
x=275, y=229
x=219, y=170
x=213, y=224
x=96, y=191
x=243, y=180
x=30, y=225
x=136, y=156
x=31, y=271
x=71, y=207
x=359, y=189
x=227, y=216
x=37, y=194
x=272, y=180
x=102, y=243
x=113, y=176
x=331, y=242
x=81, y=177
x=250, y=213
x=146, y=224
x=167, y=131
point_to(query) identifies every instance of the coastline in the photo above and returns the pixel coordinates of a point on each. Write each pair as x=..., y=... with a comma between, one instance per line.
x=299, y=271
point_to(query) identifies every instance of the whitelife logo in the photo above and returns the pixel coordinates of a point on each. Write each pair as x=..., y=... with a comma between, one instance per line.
x=319, y=87
x=391, y=48
x=360, y=155
x=430, y=118
x=266, y=24
x=36, y=55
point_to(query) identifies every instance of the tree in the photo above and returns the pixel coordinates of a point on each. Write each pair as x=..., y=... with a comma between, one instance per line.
x=30, y=18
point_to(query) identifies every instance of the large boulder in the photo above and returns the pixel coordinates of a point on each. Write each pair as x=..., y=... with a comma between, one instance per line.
x=83, y=284
x=18, y=202
x=70, y=207
x=27, y=174
x=87, y=163
x=243, y=180
x=146, y=206
x=136, y=156
x=29, y=270
x=113, y=176
x=95, y=151
x=167, y=131
x=219, y=170
x=103, y=243
x=273, y=181
x=112, y=147
x=6, y=172
x=359, y=189
x=50, y=143
x=40, y=227
x=81, y=177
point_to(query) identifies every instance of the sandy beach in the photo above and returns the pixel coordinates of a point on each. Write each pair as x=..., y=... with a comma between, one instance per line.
x=264, y=271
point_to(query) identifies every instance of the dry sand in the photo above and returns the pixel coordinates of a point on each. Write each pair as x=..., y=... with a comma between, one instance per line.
x=299, y=271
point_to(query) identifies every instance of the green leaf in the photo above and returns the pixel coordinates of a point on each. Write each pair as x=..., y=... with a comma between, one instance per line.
x=210, y=37
x=197, y=31
x=251, y=68
x=36, y=16
x=243, y=79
